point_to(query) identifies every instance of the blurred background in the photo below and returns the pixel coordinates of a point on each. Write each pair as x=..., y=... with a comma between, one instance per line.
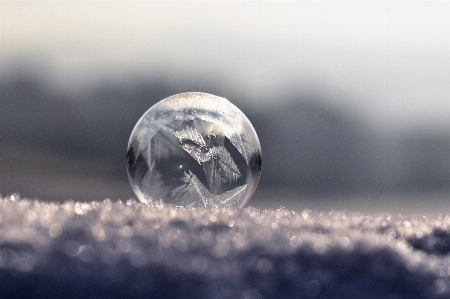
x=351, y=100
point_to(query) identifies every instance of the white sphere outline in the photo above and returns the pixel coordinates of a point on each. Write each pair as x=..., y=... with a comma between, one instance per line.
x=194, y=114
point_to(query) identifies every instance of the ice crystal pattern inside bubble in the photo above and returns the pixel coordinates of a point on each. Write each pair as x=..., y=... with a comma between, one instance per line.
x=194, y=149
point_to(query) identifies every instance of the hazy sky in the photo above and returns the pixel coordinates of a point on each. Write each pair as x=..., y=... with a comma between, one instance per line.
x=389, y=61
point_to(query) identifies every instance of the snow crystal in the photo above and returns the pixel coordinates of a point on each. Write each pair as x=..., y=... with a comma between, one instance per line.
x=130, y=249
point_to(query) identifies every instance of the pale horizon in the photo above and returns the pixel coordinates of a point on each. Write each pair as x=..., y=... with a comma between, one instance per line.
x=389, y=63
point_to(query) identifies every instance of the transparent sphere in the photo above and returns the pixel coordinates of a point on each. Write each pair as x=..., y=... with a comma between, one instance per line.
x=194, y=149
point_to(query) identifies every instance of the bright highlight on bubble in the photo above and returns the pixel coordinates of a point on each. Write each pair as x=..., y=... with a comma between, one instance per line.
x=194, y=150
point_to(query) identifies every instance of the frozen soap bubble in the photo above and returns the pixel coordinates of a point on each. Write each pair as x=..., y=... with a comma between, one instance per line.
x=194, y=150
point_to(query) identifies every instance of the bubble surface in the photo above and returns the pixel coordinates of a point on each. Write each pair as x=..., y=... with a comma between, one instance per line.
x=194, y=150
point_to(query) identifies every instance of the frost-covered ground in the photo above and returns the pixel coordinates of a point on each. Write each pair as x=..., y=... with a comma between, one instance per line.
x=125, y=249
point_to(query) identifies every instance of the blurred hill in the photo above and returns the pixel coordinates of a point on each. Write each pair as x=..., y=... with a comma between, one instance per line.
x=58, y=145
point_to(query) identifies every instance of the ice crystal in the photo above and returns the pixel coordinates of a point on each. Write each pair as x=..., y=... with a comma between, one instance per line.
x=194, y=149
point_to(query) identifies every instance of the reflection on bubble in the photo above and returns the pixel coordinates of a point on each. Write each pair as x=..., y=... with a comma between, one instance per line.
x=194, y=149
